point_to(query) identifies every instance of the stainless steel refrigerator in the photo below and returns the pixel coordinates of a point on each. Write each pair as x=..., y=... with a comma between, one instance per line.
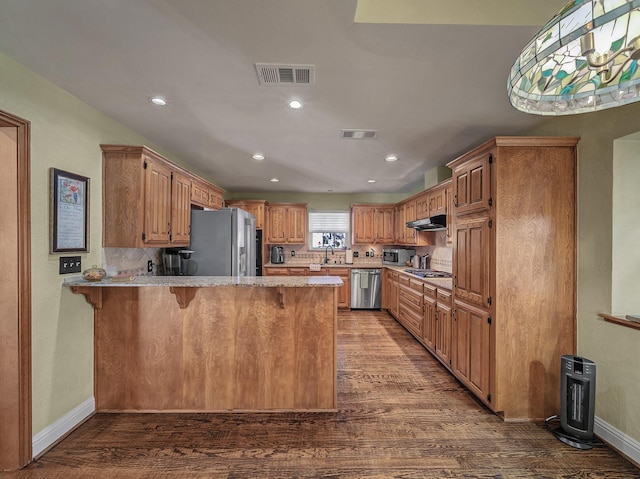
x=224, y=242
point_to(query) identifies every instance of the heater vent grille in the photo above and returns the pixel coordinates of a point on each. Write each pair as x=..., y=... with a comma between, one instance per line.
x=359, y=134
x=273, y=74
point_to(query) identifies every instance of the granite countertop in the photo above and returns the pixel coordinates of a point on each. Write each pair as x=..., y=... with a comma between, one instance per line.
x=444, y=283
x=215, y=281
x=362, y=264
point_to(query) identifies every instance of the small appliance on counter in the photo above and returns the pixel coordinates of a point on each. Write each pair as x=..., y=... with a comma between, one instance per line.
x=277, y=254
x=397, y=257
x=178, y=262
x=348, y=256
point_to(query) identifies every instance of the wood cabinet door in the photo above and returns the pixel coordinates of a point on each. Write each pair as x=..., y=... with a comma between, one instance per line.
x=385, y=226
x=410, y=235
x=276, y=222
x=180, y=209
x=296, y=221
x=472, y=185
x=429, y=327
x=443, y=333
x=157, y=203
x=199, y=193
x=471, y=348
x=344, y=292
x=393, y=296
x=471, y=259
x=401, y=227
x=257, y=210
x=215, y=199
x=364, y=225
x=437, y=202
x=422, y=206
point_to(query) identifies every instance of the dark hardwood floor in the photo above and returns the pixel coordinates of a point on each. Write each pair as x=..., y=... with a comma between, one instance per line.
x=401, y=415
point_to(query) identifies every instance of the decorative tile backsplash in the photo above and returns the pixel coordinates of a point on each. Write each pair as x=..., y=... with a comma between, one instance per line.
x=131, y=260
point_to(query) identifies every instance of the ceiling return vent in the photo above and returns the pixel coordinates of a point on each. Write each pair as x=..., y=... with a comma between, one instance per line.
x=359, y=134
x=272, y=74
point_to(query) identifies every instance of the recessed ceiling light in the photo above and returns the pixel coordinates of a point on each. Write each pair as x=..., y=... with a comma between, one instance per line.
x=371, y=181
x=295, y=104
x=274, y=180
x=258, y=157
x=158, y=100
x=391, y=158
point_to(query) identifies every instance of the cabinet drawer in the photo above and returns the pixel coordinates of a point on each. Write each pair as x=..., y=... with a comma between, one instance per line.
x=411, y=283
x=276, y=271
x=299, y=271
x=444, y=296
x=410, y=320
x=429, y=290
x=411, y=299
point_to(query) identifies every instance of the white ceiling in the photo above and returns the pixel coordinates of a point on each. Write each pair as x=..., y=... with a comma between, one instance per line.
x=432, y=90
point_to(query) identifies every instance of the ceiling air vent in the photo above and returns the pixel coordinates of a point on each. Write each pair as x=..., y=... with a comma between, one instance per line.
x=359, y=134
x=272, y=74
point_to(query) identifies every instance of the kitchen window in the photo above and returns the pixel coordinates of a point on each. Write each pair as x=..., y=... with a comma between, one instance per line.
x=329, y=228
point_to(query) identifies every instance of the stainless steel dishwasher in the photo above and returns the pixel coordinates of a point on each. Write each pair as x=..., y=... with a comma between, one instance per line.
x=366, y=288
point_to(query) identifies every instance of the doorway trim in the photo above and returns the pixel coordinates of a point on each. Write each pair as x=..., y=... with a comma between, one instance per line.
x=17, y=400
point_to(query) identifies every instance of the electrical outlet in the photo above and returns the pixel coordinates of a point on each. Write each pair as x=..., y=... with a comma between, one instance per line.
x=293, y=253
x=70, y=264
x=366, y=254
x=149, y=266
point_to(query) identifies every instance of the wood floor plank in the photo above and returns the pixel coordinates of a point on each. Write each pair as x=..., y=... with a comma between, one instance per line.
x=400, y=415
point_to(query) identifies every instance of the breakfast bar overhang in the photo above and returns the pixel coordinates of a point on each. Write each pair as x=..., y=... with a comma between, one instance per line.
x=207, y=344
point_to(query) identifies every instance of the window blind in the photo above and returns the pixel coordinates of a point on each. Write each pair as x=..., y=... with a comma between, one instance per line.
x=329, y=221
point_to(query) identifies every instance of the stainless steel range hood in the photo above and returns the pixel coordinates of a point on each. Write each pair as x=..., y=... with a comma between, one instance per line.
x=435, y=223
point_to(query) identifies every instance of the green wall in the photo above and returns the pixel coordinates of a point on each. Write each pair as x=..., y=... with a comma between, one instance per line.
x=320, y=201
x=615, y=349
x=65, y=134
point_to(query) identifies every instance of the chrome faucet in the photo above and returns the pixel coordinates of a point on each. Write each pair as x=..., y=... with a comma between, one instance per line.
x=326, y=254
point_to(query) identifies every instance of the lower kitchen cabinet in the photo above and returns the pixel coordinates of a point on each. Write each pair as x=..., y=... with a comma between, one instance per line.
x=471, y=348
x=344, y=291
x=429, y=325
x=443, y=333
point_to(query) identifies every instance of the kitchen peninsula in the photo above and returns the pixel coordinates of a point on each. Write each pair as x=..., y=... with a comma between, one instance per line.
x=182, y=344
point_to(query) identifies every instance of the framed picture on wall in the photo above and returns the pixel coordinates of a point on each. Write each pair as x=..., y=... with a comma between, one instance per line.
x=69, y=215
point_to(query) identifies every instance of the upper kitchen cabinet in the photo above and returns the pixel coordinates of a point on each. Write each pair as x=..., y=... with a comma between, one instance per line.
x=438, y=199
x=372, y=224
x=286, y=223
x=422, y=205
x=205, y=194
x=199, y=193
x=472, y=183
x=405, y=212
x=215, y=197
x=254, y=207
x=146, y=199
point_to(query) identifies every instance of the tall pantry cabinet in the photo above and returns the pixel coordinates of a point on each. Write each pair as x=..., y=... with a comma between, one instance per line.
x=514, y=271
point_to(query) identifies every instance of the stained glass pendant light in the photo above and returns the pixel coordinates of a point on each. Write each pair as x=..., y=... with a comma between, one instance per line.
x=585, y=59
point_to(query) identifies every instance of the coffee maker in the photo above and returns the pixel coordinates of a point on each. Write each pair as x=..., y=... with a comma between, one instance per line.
x=277, y=254
x=178, y=262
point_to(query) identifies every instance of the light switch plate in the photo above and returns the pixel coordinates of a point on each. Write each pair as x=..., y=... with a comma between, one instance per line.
x=70, y=264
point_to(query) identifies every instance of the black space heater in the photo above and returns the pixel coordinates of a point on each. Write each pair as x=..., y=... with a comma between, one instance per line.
x=577, y=402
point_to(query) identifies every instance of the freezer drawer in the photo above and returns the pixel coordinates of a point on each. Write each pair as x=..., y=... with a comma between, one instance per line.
x=366, y=288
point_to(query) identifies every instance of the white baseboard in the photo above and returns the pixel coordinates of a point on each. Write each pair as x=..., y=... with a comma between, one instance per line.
x=54, y=432
x=617, y=439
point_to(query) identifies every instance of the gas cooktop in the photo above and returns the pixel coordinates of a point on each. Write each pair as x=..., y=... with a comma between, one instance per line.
x=428, y=273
